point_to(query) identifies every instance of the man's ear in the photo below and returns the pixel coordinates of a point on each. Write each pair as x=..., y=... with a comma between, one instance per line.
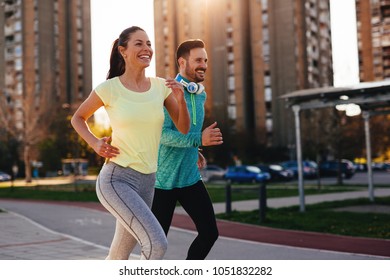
x=181, y=61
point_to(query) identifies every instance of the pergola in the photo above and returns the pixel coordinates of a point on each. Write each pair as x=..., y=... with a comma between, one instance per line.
x=373, y=98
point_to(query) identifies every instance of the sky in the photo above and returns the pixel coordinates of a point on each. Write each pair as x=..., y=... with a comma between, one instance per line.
x=108, y=21
x=344, y=44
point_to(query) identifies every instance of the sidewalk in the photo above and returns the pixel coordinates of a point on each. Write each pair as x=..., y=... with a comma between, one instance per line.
x=249, y=205
x=23, y=238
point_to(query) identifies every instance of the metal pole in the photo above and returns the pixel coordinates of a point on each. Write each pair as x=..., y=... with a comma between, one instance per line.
x=366, y=117
x=228, y=197
x=262, y=201
x=297, y=109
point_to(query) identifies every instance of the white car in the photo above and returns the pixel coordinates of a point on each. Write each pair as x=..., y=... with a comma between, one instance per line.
x=212, y=172
x=4, y=176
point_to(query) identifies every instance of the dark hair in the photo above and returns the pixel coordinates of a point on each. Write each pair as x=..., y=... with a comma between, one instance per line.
x=117, y=63
x=183, y=50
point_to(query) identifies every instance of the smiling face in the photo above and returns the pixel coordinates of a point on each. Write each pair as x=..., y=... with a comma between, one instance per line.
x=139, y=49
x=194, y=67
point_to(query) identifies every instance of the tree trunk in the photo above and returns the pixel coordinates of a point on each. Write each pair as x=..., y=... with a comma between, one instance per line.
x=27, y=163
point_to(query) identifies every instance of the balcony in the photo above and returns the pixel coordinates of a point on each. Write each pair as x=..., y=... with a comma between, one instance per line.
x=385, y=3
x=9, y=30
x=9, y=56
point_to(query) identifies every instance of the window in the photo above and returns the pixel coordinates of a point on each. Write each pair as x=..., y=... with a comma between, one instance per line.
x=18, y=64
x=268, y=94
x=231, y=83
x=18, y=51
x=18, y=26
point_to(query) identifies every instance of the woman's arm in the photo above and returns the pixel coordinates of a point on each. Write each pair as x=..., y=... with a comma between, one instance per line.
x=177, y=106
x=79, y=123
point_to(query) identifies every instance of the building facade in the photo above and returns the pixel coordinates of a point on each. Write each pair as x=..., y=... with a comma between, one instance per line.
x=258, y=50
x=45, y=64
x=301, y=56
x=373, y=28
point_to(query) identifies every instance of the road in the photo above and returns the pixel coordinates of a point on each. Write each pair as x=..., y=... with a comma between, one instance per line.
x=379, y=178
x=97, y=227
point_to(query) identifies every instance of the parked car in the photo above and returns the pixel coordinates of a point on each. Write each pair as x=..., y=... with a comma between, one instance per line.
x=331, y=168
x=309, y=168
x=277, y=172
x=212, y=172
x=4, y=177
x=246, y=173
x=380, y=166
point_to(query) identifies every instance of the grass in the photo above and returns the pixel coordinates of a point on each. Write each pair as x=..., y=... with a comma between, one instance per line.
x=319, y=217
x=322, y=218
x=86, y=192
x=82, y=193
x=251, y=191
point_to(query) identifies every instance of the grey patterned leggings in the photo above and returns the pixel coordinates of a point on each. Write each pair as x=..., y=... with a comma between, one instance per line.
x=128, y=195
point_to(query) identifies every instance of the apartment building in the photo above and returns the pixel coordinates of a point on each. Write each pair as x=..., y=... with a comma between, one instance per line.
x=301, y=56
x=258, y=50
x=45, y=63
x=373, y=27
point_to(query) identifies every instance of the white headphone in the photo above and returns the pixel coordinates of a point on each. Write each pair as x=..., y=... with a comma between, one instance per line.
x=191, y=87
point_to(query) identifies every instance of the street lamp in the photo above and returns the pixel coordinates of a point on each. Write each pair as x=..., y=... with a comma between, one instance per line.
x=351, y=109
x=15, y=170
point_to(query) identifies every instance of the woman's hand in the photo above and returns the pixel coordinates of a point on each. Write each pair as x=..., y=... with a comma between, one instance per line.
x=177, y=106
x=103, y=148
x=177, y=89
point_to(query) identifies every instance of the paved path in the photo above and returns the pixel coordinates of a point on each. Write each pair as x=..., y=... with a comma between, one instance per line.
x=24, y=239
x=249, y=205
x=62, y=230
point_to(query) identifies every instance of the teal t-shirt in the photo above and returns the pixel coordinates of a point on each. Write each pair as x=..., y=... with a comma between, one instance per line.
x=178, y=153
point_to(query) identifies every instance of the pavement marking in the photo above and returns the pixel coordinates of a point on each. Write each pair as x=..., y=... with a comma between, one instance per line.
x=132, y=256
x=34, y=243
x=59, y=233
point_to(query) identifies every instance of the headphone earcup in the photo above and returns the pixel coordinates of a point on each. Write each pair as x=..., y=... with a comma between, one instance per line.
x=193, y=87
x=201, y=89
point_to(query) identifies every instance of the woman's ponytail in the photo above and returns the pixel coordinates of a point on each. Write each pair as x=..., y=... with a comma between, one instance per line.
x=117, y=64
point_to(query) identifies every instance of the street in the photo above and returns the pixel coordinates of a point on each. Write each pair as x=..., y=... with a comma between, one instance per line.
x=379, y=178
x=97, y=227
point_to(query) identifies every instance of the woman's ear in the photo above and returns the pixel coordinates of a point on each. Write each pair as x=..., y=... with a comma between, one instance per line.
x=121, y=51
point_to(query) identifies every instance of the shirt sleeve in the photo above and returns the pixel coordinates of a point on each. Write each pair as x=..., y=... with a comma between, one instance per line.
x=166, y=91
x=104, y=92
x=172, y=137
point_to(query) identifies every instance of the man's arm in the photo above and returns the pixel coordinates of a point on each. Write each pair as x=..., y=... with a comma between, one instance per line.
x=211, y=136
x=172, y=137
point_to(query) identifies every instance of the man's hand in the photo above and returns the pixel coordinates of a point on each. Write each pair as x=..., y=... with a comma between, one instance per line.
x=212, y=135
x=201, y=161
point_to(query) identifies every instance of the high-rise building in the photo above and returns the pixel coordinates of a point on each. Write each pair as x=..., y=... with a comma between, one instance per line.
x=258, y=50
x=373, y=26
x=45, y=63
x=300, y=56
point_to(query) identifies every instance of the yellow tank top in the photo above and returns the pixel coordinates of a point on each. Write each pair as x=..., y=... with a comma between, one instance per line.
x=136, y=119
